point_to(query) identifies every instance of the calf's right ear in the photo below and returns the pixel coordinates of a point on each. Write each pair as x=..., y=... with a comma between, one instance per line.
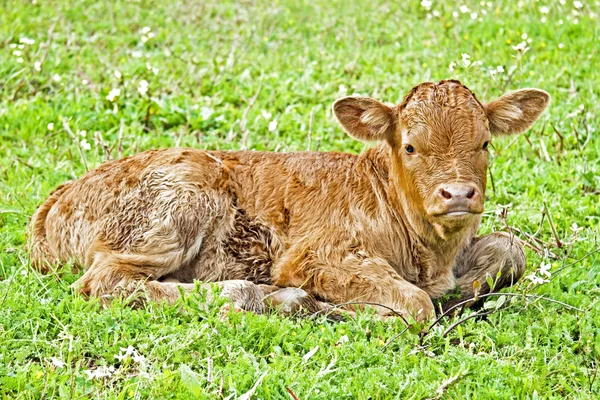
x=364, y=118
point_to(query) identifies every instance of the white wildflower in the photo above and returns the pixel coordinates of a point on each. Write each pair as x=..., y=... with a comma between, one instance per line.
x=465, y=59
x=577, y=4
x=206, y=112
x=136, y=54
x=536, y=279
x=521, y=47
x=56, y=78
x=84, y=82
x=426, y=4
x=145, y=30
x=113, y=94
x=37, y=66
x=100, y=372
x=493, y=72
x=143, y=88
x=464, y=9
x=117, y=74
x=82, y=133
x=545, y=270
x=500, y=69
x=451, y=66
x=575, y=228
x=27, y=41
x=20, y=60
x=342, y=89
x=454, y=14
x=474, y=15
x=50, y=126
x=272, y=125
x=17, y=53
x=544, y=10
x=265, y=114
x=84, y=144
x=57, y=362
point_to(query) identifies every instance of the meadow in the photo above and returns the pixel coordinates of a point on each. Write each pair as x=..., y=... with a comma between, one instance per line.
x=82, y=82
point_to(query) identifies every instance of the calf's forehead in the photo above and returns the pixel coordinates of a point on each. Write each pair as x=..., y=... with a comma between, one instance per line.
x=443, y=114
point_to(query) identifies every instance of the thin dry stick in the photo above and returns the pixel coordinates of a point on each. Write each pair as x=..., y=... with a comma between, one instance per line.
x=70, y=132
x=454, y=325
x=559, y=244
x=310, y=128
x=454, y=307
x=120, y=140
x=244, y=120
x=291, y=393
x=333, y=307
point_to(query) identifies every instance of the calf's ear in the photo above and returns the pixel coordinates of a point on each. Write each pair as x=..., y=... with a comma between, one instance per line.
x=364, y=118
x=515, y=112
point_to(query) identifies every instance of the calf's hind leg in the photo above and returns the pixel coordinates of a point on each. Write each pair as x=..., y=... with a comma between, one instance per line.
x=486, y=256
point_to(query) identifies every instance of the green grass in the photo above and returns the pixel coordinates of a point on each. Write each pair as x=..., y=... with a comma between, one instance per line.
x=292, y=59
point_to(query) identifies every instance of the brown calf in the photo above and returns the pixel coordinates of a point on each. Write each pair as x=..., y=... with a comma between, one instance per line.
x=394, y=225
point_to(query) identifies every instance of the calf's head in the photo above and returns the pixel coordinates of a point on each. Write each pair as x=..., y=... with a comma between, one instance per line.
x=439, y=138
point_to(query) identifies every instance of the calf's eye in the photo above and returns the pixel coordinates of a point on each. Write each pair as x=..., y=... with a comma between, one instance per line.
x=485, y=145
x=409, y=149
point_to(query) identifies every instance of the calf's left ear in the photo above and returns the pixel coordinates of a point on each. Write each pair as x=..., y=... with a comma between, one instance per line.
x=516, y=112
x=364, y=118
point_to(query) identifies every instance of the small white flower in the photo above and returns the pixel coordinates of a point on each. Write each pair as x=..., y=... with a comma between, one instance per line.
x=84, y=82
x=426, y=4
x=113, y=94
x=117, y=74
x=575, y=228
x=272, y=125
x=465, y=59
x=37, y=66
x=474, y=15
x=464, y=9
x=265, y=114
x=521, y=47
x=27, y=41
x=454, y=14
x=577, y=4
x=143, y=88
x=85, y=145
x=12, y=45
x=545, y=269
x=145, y=30
x=57, y=362
x=50, y=126
x=100, y=372
x=136, y=54
x=56, y=78
x=206, y=112
x=342, y=89
x=436, y=13
x=20, y=60
x=17, y=53
x=451, y=66
x=82, y=133
x=561, y=45
x=544, y=10
x=500, y=69
x=493, y=72
x=536, y=279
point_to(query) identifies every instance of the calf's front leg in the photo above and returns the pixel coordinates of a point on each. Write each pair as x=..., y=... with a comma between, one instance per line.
x=353, y=279
x=498, y=255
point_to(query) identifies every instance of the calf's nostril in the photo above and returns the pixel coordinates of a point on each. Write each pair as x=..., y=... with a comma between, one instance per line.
x=445, y=194
x=471, y=193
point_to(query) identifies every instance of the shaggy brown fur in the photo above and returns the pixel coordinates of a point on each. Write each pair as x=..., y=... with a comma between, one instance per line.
x=394, y=225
